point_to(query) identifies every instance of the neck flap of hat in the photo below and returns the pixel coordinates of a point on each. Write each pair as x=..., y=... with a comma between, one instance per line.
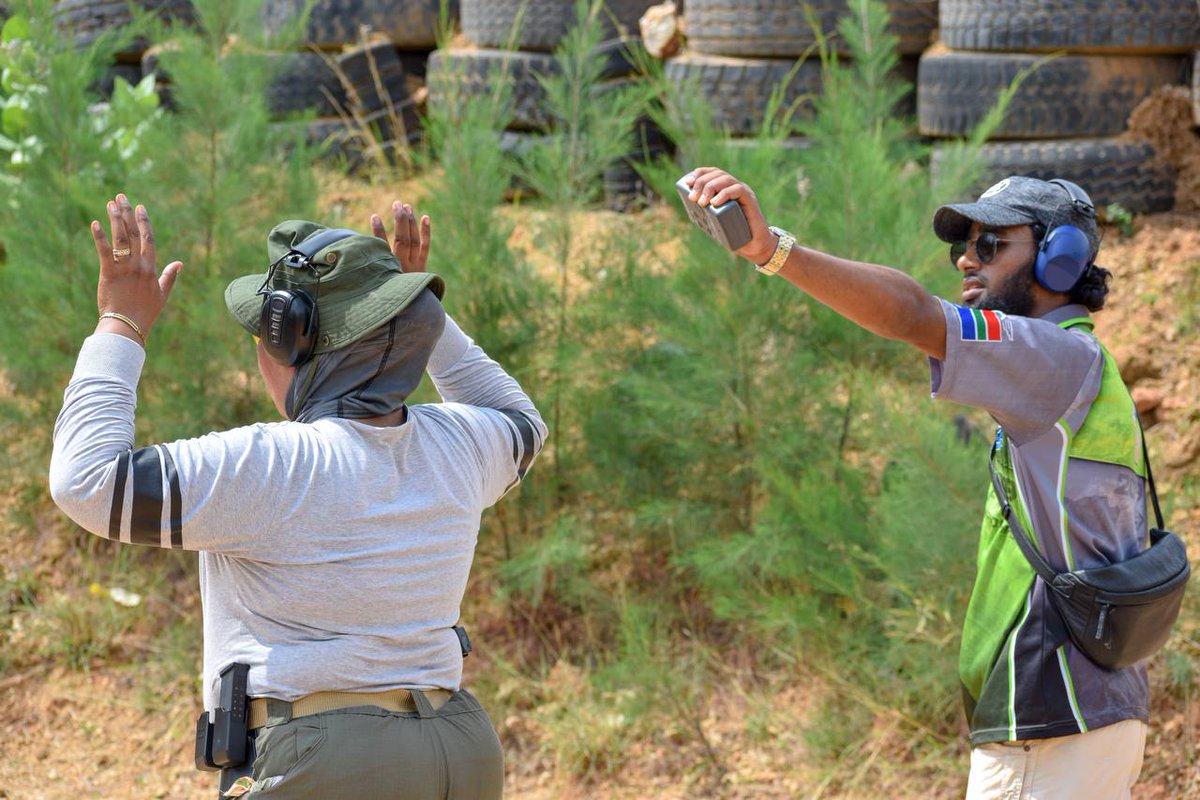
x=375, y=375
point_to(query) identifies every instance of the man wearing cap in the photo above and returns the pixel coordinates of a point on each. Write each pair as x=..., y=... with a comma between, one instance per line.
x=334, y=546
x=1044, y=720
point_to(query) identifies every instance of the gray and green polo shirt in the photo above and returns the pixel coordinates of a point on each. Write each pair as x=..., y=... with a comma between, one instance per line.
x=1069, y=452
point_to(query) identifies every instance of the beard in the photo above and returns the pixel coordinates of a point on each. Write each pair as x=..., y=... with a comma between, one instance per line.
x=1014, y=296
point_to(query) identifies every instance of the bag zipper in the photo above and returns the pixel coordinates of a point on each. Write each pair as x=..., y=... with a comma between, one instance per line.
x=1104, y=607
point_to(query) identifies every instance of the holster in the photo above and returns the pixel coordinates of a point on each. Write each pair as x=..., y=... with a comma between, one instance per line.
x=222, y=737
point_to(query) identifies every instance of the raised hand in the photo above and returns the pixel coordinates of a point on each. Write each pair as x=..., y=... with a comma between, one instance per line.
x=715, y=186
x=131, y=289
x=410, y=242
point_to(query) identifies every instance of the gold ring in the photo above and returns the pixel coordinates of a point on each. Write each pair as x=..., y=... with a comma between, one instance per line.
x=121, y=253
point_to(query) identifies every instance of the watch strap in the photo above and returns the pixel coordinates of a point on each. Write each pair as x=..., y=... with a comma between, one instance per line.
x=782, y=250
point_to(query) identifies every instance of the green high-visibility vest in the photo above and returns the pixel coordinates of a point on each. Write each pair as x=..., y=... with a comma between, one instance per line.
x=1111, y=434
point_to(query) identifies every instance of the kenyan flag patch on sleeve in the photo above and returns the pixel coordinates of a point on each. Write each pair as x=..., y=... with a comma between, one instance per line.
x=981, y=325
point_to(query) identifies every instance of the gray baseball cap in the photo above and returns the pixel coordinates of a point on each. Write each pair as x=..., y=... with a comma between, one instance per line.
x=1019, y=200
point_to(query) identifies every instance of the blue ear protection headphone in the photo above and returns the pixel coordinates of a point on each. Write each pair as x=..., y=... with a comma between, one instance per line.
x=287, y=324
x=1065, y=252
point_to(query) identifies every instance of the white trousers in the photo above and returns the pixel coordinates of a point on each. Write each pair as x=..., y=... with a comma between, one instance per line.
x=1103, y=764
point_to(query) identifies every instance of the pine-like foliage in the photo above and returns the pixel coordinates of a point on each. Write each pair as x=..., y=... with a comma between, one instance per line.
x=740, y=468
x=212, y=174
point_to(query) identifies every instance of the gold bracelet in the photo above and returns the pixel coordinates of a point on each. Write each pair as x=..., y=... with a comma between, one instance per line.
x=127, y=321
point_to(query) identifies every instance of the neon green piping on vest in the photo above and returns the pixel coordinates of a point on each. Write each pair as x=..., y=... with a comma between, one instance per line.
x=1060, y=490
x=1084, y=322
x=1106, y=435
x=1012, y=668
x=1070, y=684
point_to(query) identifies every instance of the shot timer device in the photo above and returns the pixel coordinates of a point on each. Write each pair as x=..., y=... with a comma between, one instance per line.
x=725, y=223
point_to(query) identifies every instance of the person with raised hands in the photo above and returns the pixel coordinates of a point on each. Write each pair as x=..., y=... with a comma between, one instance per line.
x=334, y=545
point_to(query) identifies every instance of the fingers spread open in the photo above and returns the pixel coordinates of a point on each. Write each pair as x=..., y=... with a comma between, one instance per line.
x=149, y=252
x=131, y=228
x=103, y=248
x=423, y=255
x=377, y=229
x=120, y=239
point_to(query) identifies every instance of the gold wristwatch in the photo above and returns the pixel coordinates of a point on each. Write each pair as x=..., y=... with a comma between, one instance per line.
x=782, y=250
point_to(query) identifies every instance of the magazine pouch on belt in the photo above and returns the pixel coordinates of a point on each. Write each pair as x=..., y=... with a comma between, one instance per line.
x=1119, y=614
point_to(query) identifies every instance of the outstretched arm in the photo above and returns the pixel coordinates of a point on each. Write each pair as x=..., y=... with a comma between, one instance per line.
x=881, y=299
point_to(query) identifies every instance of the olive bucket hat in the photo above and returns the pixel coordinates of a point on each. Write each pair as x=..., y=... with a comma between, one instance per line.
x=356, y=282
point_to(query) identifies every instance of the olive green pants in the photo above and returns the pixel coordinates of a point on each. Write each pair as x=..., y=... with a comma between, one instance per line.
x=451, y=753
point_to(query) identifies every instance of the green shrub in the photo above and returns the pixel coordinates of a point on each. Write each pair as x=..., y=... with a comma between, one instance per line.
x=739, y=431
x=212, y=177
x=64, y=155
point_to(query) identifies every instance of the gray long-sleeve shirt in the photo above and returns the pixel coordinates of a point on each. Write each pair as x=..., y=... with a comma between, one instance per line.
x=333, y=555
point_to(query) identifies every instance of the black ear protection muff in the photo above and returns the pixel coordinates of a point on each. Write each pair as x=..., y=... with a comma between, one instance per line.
x=288, y=324
x=1065, y=253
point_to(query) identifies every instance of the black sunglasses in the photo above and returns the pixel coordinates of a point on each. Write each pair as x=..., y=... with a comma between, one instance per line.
x=986, y=247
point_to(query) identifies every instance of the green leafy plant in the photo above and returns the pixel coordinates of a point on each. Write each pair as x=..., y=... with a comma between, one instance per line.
x=64, y=151
x=30, y=59
x=1117, y=214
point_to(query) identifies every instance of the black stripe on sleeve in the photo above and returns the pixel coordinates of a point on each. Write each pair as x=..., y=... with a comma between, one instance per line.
x=145, y=521
x=118, y=501
x=524, y=444
x=176, y=501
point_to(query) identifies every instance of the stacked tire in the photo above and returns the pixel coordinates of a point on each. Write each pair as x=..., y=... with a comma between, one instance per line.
x=362, y=72
x=739, y=51
x=1086, y=64
x=304, y=80
x=83, y=21
x=359, y=67
x=383, y=98
x=510, y=43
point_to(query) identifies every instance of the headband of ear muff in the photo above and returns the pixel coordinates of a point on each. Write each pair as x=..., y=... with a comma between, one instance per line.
x=288, y=322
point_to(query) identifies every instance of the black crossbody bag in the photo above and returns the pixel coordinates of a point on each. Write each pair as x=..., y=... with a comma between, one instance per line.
x=1120, y=614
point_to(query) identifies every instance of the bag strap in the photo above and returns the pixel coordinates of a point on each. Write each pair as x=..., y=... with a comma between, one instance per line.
x=1150, y=479
x=1035, y=559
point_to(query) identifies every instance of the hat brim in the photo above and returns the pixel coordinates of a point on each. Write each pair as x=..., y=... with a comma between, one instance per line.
x=952, y=223
x=343, y=320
